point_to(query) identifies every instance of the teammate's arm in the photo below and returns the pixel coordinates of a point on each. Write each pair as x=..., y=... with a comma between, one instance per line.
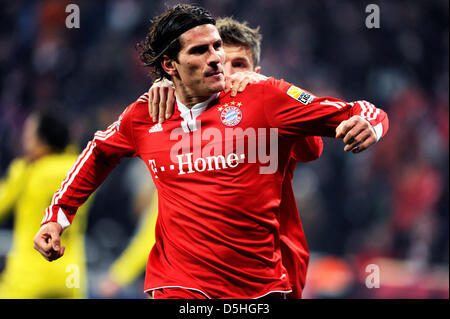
x=161, y=100
x=93, y=165
x=238, y=81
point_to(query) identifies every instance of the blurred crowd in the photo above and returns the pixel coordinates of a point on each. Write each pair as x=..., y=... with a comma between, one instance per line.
x=387, y=206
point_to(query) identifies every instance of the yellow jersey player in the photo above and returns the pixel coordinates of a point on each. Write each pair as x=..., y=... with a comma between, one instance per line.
x=25, y=191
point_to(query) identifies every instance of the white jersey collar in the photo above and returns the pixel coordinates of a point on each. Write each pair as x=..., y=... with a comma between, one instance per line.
x=196, y=110
x=189, y=115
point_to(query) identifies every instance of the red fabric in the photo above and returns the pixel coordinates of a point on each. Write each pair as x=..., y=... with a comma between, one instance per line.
x=177, y=293
x=307, y=149
x=294, y=249
x=218, y=228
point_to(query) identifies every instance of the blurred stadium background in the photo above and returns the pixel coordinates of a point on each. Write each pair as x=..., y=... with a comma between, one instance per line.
x=387, y=206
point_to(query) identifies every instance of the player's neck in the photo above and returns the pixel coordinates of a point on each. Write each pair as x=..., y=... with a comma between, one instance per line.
x=189, y=99
x=199, y=106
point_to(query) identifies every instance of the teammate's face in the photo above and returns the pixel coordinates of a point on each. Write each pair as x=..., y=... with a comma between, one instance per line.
x=238, y=59
x=199, y=69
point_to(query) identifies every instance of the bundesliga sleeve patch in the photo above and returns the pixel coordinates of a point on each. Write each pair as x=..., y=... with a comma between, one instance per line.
x=300, y=95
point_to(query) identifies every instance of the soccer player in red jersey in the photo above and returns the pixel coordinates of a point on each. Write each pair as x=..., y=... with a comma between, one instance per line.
x=242, y=46
x=218, y=164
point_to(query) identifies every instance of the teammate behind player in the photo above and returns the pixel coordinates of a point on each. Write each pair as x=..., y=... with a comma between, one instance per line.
x=242, y=46
x=25, y=192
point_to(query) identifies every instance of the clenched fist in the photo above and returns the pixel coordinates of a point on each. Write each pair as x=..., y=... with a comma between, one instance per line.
x=358, y=134
x=48, y=241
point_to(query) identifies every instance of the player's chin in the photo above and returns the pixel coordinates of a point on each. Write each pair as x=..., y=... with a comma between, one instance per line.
x=217, y=80
x=217, y=86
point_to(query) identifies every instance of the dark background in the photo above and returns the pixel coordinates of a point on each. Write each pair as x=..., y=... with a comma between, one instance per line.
x=387, y=206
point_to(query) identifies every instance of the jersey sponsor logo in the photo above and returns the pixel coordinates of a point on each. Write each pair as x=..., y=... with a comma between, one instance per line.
x=187, y=164
x=231, y=115
x=216, y=148
x=156, y=128
x=300, y=95
x=209, y=163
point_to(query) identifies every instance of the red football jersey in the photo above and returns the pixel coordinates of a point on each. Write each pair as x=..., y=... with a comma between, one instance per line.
x=218, y=168
x=294, y=248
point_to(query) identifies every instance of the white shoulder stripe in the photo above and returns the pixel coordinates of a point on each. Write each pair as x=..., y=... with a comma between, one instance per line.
x=104, y=137
x=143, y=98
x=107, y=131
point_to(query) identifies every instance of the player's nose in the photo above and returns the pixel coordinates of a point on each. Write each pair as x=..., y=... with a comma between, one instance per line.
x=215, y=56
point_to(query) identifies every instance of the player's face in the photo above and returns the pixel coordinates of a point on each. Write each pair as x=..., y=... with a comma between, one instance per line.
x=238, y=59
x=200, y=61
x=30, y=140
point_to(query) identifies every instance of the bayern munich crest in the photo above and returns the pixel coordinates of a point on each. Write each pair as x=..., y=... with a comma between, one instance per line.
x=231, y=115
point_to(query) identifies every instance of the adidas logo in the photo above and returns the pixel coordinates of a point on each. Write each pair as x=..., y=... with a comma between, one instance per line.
x=156, y=128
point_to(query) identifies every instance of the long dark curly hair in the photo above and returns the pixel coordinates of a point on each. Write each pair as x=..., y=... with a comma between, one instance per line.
x=164, y=35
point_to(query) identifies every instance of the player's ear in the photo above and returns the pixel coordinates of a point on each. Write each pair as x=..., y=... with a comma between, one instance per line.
x=258, y=69
x=168, y=65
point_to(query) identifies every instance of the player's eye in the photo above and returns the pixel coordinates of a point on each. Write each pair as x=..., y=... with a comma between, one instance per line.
x=199, y=49
x=217, y=45
x=240, y=65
